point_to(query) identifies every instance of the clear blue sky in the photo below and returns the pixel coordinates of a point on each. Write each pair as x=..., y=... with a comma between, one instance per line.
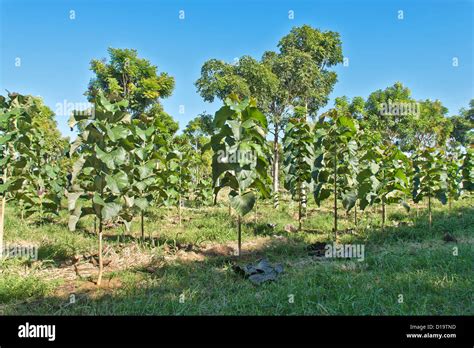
x=55, y=51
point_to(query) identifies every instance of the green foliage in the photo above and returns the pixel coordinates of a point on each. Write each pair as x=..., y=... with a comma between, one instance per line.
x=103, y=172
x=298, y=75
x=430, y=175
x=199, y=130
x=161, y=120
x=468, y=171
x=298, y=149
x=146, y=137
x=336, y=163
x=178, y=175
x=240, y=157
x=15, y=139
x=463, y=125
x=126, y=76
x=196, y=143
x=202, y=191
x=402, y=120
x=355, y=107
x=147, y=148
x=384, y=176
x=302, y=66
x=431, y=128
x=247, y=77
x=454, y=165
x=32, y=153
x=379, y=119
x=336, y=160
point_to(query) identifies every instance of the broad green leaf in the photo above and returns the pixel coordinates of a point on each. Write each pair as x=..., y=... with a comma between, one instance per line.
x=110, y=210
x=243, y=203
x=117, y=132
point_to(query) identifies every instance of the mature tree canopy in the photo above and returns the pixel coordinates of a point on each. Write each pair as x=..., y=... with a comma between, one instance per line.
x=402, y=120
x=302, y=66
x=201, y=125
x=297, y=75
x=246, y=77
x=126, y=76
x=324, y=47
x=380, y=118
x=430, y=128
x=463, y=125
x=354, y=107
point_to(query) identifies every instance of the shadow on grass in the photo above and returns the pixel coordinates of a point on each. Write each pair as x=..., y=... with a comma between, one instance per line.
x=416, y=228
x=210, y=286
x=179, y=275
x=212, y=276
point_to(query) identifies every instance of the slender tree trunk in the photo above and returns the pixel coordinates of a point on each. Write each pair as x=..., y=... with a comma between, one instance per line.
x=2, y=214
x=335, y=196
x=142, y=226
x=299, y=215
x=275, y=168
x=304, y=202
x=300, y=204
x=383, y=214
x=239, y=231
x=41, y=211
x=101, y=264
x=95, y=225
x=383, y=202
x=355, y=214
x=430, y=216
x=230, y=210
x=179, y=209
x=256, y=212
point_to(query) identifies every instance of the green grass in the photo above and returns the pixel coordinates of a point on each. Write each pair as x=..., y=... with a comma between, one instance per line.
x=409, y=260
x=18, y=288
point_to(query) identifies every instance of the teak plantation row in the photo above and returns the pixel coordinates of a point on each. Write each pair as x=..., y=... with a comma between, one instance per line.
x=127, y=156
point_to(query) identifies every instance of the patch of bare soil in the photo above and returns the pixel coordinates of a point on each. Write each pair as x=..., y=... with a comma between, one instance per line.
x=80, y=272
x=193, y=253
x=85, y=266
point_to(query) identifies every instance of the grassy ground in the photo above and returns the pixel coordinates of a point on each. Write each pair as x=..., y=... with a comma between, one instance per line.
x=407, y=261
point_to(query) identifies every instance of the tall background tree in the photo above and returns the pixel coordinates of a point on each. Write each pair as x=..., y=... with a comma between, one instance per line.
x=379, y=116
x=430, y=128
x=405, y=121
x=463, y=126
x=297, y=75
x=126, y=76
